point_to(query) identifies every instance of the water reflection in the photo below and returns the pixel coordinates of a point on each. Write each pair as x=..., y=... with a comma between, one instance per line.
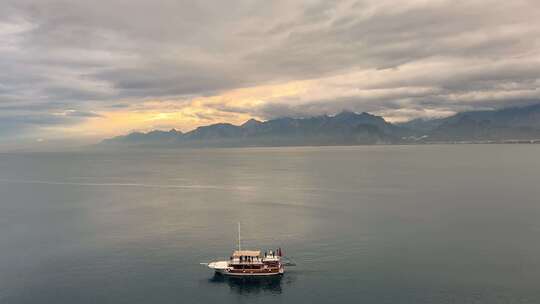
x=248, y=286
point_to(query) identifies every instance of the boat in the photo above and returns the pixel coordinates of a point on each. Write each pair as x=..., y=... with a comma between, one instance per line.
x=250, y=263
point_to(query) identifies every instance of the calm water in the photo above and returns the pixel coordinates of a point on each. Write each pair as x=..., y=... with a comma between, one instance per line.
x=393, y=224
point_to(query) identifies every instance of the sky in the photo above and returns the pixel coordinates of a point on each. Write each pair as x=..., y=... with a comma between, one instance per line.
x=78, y=71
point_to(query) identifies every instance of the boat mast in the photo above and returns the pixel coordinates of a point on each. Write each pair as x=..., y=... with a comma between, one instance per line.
x=239, y=239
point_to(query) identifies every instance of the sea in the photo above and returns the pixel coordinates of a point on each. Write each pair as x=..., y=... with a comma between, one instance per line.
x=368, y=224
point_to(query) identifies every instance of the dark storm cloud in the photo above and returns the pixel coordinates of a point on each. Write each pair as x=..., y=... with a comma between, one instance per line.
x=58, y=56
x=166, y=80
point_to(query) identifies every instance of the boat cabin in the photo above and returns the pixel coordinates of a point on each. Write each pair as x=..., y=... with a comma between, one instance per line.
x=246, y=259
x=253, y=262
x=250, y=262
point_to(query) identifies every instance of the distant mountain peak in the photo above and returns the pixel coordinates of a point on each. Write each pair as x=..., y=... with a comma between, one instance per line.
x=251, y=123
x=349, y=113
x=346, y=113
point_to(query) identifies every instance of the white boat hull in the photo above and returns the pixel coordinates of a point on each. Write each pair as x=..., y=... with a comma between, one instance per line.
x=249, y=274
x=223, y=268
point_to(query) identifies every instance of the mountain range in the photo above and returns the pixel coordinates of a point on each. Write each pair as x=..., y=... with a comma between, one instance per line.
x=349, y=128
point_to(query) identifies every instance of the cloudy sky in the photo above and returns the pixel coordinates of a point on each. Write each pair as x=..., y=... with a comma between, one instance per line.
x=81, y=70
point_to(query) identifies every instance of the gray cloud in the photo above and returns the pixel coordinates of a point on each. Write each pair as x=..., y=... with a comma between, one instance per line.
x=16, y=125
x=58, y=56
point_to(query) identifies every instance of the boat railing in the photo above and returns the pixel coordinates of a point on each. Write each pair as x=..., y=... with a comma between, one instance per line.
x=237, y=262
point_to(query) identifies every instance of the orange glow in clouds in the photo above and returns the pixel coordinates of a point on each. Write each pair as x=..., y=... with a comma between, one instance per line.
x=232, y=106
